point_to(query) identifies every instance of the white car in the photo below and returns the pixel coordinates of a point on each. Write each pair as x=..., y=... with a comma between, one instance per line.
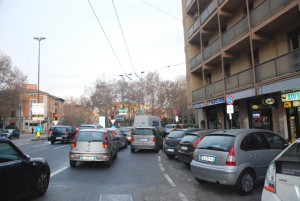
x=283, y=176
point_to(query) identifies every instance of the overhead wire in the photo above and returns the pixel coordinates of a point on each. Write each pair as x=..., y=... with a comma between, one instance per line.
x=108, y=39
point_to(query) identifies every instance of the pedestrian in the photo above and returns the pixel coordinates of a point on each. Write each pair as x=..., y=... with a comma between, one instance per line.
x=32, y=129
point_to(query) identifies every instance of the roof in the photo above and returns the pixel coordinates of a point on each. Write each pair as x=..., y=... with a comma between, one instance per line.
x=34, y=91
x=236, y=132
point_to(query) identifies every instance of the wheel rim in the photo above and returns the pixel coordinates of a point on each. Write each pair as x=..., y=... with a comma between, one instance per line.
x=43, y=182
x=247, y=183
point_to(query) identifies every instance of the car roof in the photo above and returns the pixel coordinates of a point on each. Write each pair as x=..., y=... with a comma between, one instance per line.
x=91, y=129
x=145, y=127
x=236, y=132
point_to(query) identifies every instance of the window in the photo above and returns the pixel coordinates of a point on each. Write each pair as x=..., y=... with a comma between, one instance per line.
x=274, y=141
x=208, y=78
x=143, y=131
x=224, y=28
x=252, y=142
x=8, y=153
x=12, y=114
x=217, y=142
x=295, y=39
x=227, y=69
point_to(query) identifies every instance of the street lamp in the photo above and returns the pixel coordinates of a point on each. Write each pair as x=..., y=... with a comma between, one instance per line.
x=142, y=85
x=39, y=39
x=122, y=91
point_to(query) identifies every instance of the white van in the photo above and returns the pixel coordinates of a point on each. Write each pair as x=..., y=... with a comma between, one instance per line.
x=148, y=121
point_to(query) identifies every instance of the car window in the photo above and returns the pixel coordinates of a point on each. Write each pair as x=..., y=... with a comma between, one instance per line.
x=190, y=138
x=176, y=134
x=90, y=135
x=8, y=153
x=292, y=152
x=169, y=126
x=143, y=131
x=60, y=129
x=252, y=142
x=217, y=142
x=274, y=141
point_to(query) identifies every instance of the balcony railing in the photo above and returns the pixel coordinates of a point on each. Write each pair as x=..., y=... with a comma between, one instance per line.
x=209, y=10
x=236, y=31
x=211, y=49
x=214, y=88
x=196, y=61
x=194, y=28
x=285, y=64
x=265, y=9
x=241, y=79
x=187, y=3
x=198, y=94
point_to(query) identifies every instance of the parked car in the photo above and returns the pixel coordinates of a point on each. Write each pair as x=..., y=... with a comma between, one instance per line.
x=62, y=134
x=20, y=175
x=146, y=138
x=10, y=133
x=189, y=143
x=91, y=145
x=283, y=176
x=120, y=137
x=127, y=131
x=237, y=157
x=172, y=140
x=90, y=126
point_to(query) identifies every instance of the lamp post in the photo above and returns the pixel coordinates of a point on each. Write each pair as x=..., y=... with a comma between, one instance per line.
x=39, y=39
x=142, y=85
x=122, y=91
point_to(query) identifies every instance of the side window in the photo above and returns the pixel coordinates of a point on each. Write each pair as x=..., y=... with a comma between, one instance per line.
x=8, y=153
x=274, y=141
x=252, y=142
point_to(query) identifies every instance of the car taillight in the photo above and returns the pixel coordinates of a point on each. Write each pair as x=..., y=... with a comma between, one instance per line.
x=74, y=143
x=132, y=139
x=154, y=139
x=230, y=161
x=105, y=136
x=131, y=131
x=270, y=178
x=67, y=133
x=51, y=133
x=104, y=144
x=197, y=142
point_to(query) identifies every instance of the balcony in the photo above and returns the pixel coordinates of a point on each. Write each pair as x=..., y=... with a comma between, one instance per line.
x=236, y=31
x=288, y=63
x=214, y=88
x=194, y=28
x=211, y=49
x=198, y=94
x=238, y=80
x=266, y=9
x=196, y=61
x=209, y=10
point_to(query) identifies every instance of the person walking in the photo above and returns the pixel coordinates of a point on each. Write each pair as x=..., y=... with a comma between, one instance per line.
x=32, y=129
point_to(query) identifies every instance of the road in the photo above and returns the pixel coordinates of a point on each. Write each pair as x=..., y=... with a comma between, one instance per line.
x=142, y=176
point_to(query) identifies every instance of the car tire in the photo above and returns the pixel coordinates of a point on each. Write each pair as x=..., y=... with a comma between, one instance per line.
x=42, y=182
x=116, y=155
x=52, y=142
x=245, y=183
x=108, y=163
x=73, y=164
x=132, y=150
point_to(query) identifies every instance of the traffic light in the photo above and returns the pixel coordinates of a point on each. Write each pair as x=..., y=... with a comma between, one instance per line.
x=55, y=115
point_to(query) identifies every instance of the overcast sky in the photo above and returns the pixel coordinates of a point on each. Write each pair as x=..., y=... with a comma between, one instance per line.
x=76, y=50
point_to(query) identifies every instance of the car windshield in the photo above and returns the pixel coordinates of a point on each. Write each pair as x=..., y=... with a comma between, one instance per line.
x=190, y=138
x=143, y=131
x=217, y=142
x=169, y=126
x=4, y=131
x=60, y=129
x=86, y=127
x=176, y=134
x=90, y=136
x=293, y=152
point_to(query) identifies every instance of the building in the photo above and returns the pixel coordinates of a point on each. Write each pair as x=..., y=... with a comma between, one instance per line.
x=245, y=52
x=47, y=112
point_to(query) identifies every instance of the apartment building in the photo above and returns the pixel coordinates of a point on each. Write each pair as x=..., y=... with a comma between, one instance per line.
x=248, y=51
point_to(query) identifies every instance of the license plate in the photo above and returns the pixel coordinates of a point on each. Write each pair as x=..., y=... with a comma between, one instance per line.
x=144, y=140
x=170, y=150
x=88, y=158
x=58, y=138
x=211, y=159
x=184, y=148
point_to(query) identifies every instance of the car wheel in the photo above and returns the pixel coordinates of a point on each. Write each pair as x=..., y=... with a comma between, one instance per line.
x=73, y=163
x=132, y=150
x=52, y=142
x=116, y=155
x=245, y=183
x=187, y=165
x=42, y=182
x=108, y=163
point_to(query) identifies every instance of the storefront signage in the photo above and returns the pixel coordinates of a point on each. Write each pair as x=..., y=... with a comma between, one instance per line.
x=255, y=107
x=287, y=104
x=198, y=105
x=290, y=97
x=256, y=115
x=296, y=103
x=269, y=101
x=216, y=101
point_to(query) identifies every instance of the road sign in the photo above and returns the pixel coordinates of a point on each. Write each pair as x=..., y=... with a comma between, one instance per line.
x=230, y=109
x=229, y=100
x=175, y=112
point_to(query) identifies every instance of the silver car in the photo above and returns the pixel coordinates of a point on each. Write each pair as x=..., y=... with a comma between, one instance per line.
x=146, y=138
x=236, y=157
x=93, y=145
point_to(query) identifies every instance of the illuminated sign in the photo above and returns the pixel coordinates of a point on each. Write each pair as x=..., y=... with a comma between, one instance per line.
x=216, y=101
x=290, y=97
x=198, y=105
x=287, y=104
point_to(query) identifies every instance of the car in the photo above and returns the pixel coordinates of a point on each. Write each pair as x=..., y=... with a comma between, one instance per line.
x=93, y=145
x=127, y=131
x=20, y=175
x=283, y=176
x=171, y=141
x=236, y=157
x=90, y=126
x=62, y=134
x=10, y=133
x=146, y=138
x=120, y=137
x=189, y=143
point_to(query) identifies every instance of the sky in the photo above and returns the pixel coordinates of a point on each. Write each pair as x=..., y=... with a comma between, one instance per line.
x=78, y=49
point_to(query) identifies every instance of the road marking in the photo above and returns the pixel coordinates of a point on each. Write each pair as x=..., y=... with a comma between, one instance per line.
x=61, y=147
x=159, y=152
x=40, y=145
x=116, y=197
x=161, y=167
x=25, y=144
x=182, y=197
x=159, y=158
x=58, y=171
x=170, y=180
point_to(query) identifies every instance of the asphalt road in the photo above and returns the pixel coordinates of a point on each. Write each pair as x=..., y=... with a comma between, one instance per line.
x=142, y=176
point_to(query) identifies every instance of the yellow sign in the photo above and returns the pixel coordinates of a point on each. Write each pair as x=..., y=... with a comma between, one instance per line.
x=287, y=104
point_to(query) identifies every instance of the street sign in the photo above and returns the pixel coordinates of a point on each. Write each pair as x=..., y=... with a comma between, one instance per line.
x=175, y=112
x=229, y=100
x=230, y=109
x=122, y=110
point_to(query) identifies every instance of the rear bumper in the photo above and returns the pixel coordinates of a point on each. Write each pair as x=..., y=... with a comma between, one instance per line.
x=62, y=138
x=226, y=175
x=185, y=157
x=170, y=151
x=143, y=146
x=89, y=157
x=267, y=195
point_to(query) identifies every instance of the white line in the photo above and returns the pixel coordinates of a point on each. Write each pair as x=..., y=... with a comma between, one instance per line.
x=182, y=197
x=159, y=152
x=25, y=144
x=170, y=180
x=58, y=171
x=40, y=145
x=159, y=158
x=161, y=167
x=60, y=147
